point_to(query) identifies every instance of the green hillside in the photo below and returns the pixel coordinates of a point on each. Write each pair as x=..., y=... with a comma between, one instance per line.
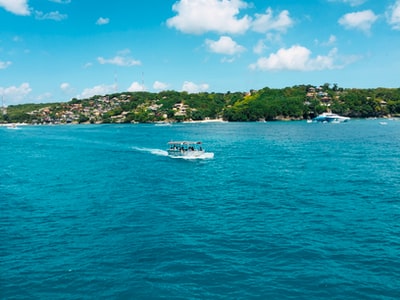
x=290, y=103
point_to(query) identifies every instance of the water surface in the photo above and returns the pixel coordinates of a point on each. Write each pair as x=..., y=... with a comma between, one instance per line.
x=284, y=210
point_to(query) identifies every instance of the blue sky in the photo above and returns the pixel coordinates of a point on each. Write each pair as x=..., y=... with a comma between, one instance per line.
x=55, y=50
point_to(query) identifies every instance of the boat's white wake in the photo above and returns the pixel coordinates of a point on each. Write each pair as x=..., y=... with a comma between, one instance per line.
x=158, y=152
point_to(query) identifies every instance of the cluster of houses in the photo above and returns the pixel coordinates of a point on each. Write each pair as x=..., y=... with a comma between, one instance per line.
x=95, y=110
x=73, y=112
x=320, y=94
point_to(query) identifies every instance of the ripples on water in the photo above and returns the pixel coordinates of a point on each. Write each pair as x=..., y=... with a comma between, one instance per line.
x=282, y=211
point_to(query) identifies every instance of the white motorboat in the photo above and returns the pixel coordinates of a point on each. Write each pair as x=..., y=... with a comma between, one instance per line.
x=330, y=118
x=188, y=150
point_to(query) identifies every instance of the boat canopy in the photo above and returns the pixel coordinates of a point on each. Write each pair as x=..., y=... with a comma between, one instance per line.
x=183, y=143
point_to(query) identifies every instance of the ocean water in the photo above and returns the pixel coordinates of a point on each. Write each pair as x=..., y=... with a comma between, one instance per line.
x=284, y=210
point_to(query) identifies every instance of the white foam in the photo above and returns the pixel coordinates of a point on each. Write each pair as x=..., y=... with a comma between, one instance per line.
x=158, y=152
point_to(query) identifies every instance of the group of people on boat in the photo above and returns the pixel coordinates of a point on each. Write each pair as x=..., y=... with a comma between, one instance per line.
x=187, y=149
x=183, y=149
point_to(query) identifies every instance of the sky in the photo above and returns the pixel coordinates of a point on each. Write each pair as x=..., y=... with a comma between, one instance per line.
x=56, y=50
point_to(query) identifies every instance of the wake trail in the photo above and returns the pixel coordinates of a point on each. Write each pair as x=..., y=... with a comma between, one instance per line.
x=158, y=152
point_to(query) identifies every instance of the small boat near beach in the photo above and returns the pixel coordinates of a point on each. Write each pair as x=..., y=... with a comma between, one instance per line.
x=13, y=126
x=163, y=124
x=188, y=150
x=330, y=118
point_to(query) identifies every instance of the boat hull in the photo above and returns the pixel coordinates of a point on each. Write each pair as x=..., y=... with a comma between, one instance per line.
x=181, y=153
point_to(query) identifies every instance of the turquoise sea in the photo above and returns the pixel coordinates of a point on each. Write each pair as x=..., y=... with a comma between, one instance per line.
x=284, y=210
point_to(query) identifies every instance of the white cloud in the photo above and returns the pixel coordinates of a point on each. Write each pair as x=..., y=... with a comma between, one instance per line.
x=54, y=15
x=361, y=20
x=61, y=1
x=102, y=21
x=296, y=58
x=200, y=16
x=96, y=90
x=121, y=59
x=192, y=88
x=64, y=86
x=271, y=38
x=266, y=22
x=18, y=7
x=136, y=87
x=5, y=64
x=274, y=38
x=159, y=86
x=393, y=15
x=259, y=47
x=225, y=45
x=351, y=2
x=16, y=94
x=227, y=60
x=45, y=97
x=88, y=65
x=331, y=41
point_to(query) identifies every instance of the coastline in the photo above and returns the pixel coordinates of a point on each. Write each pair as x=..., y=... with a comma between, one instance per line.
x=14, y=125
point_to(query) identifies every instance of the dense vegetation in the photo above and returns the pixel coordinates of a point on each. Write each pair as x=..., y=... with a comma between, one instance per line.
x=292, y=103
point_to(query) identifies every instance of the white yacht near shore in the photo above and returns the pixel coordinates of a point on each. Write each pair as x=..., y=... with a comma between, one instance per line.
x=328, y=117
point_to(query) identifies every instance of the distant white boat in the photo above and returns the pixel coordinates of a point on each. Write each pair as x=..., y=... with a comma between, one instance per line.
x=13, y=126
x=163, y=124
x=330, y=118
x=207, y=120
x=188, y=150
